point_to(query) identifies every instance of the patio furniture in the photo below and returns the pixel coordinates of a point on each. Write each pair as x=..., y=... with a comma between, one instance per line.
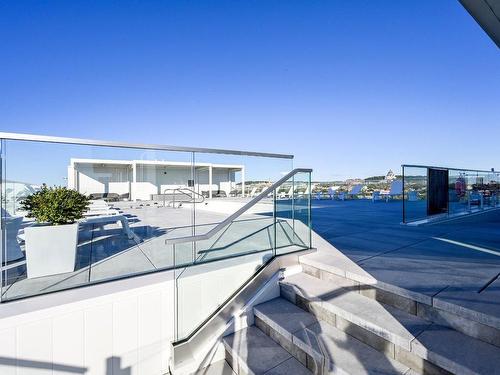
x=396, y=190
x=110, y=219
x=331, y=192
x=475, y=199
x=286, y=195
x=412, y=196
x=355, y=191
x=107, y=197
x=100, y=207
x=377, y=196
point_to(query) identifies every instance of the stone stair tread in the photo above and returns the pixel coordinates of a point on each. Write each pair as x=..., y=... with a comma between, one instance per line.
x=217, y=368
x=387, y=322
x=284, y=317
x=256, y=353
x=456, y=352
x=342, y=353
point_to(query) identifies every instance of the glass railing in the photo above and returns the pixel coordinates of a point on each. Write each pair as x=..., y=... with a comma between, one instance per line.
x=126, y=229
x=437, y=192
x=212, y=266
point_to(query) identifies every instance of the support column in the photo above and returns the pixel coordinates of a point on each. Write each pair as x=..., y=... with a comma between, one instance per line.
x=134, y=180
x=210, y=182
x=243, y=182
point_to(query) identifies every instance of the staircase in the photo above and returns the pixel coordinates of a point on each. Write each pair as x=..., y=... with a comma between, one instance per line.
x=330, y=326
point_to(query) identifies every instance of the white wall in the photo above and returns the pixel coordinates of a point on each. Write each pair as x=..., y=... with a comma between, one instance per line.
x=224, y=179
x=102, y=179
x=143, y=190
x=151, y=179
x=119, y=328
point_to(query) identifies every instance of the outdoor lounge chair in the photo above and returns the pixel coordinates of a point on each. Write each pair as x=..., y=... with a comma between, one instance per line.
x=377, y=196
x=396, y=190
x=253, y=192
x=355, y=191
x=331, y=192
x=412, y=196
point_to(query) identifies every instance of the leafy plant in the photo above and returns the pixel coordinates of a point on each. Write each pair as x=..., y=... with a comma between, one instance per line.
x=55, y=205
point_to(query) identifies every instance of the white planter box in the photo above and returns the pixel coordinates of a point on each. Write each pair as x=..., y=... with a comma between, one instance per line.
x=50, y=249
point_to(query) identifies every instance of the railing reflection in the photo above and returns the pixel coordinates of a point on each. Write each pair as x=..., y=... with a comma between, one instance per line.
x=454, y=192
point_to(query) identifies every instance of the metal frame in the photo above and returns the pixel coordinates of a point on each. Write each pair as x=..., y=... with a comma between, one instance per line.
x=91, y=142
x=243, y=209
x=447, y=168
x=216, y=325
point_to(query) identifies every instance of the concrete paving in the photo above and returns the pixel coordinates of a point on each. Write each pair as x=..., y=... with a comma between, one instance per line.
x=253, y=352
x=217, y=368
x=454, y=263
x=310, y=338
x=105, y=252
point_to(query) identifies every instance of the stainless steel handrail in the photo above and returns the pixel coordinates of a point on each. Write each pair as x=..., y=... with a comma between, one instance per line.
x=91, y=142
x=232, y=217
x=448, y=168
x=183, y=190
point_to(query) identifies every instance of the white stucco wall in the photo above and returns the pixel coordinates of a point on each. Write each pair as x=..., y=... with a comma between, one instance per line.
x=102, y=179
x=123, y=327
x=88, y=177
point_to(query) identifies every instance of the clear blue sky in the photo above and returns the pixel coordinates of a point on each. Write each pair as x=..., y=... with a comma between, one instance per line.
x=352, y=88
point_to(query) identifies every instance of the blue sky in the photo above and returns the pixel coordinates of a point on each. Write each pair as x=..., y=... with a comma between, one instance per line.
x=352, y=88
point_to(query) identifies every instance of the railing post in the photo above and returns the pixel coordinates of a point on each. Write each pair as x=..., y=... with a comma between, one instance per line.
x=309, y=209
x=275, y=222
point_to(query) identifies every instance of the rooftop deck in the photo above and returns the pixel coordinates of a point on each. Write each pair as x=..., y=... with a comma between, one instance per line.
x=456, y=262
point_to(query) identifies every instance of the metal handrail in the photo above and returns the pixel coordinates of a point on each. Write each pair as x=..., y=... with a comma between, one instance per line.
x=91, y=142
x=448, y=168
x=182, y=191
x=232, y=217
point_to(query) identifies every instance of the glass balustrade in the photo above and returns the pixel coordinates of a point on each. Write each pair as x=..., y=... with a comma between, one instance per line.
x=140, y=199
x=455, y=193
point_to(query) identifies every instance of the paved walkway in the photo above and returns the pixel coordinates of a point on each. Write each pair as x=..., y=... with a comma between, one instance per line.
x=456, y=262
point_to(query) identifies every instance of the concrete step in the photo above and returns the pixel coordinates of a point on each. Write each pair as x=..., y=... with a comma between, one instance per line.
x=251, y=352
x=217, y=368
x=351, y=308
x=400, y=335
x=320, y=346
x=466, y=311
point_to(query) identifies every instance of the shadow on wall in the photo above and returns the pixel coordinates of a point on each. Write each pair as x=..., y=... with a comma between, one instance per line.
x=113, y=366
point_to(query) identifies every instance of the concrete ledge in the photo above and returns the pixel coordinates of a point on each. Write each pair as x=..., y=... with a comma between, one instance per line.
x=319, y=345
x=469, y=317
x=469, y=327
x=456, y=352
x=251, y=352
x=393, y=325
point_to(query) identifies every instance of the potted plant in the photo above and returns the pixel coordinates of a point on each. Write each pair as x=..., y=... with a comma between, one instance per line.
x=50, y=245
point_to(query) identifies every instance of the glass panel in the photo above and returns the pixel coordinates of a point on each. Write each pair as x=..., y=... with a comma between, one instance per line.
x=469, y=191
x=121, y=233
x=293, y=215
x=415, y=193
x=458, y=193
x=218, y=266
x=139, y=210
x=222, y=264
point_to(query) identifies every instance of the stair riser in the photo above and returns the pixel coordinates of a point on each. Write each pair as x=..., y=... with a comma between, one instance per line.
x=464, y=325
x=389, y=349
x=235, y=365
x=312, y=361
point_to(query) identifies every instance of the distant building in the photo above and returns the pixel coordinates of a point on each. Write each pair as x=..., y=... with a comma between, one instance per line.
x=141, y=179
x=390, y=176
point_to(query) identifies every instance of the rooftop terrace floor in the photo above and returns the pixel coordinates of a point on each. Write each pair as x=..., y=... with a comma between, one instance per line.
x=456, y=261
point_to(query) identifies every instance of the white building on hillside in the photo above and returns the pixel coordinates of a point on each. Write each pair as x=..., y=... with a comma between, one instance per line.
x=141, y=179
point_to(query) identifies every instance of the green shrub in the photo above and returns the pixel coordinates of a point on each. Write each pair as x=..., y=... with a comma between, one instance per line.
x=55, y=205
